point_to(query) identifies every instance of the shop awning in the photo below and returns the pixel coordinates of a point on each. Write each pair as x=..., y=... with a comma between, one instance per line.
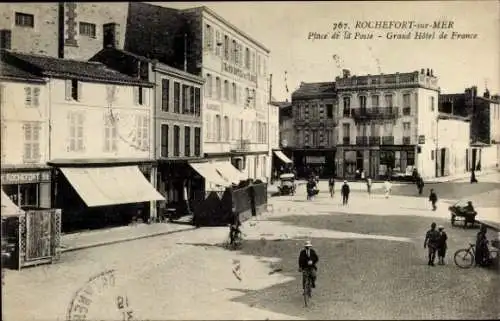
x=229, y=172
x=8, y=206
x=100, y=186
x=282, y=156
x=209, y=172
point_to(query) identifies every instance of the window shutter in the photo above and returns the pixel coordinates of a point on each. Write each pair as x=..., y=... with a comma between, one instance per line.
x=36, y=97
x=136, y=95
x=28, y=99
x=68, y=89
x=27, y=141
x=145, y=97
x=36, y=142
x=79, y=93
x=79, y=133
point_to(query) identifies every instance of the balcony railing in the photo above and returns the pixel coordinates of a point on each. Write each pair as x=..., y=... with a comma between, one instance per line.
x=361, y=140
x=242, y=145
x=387, y=140
x=346, y=140
x=406, y=111
x=406, y=140
x=360, y=114
x=374, y=140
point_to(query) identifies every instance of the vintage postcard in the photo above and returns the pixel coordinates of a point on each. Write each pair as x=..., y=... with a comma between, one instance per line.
x=323, y=160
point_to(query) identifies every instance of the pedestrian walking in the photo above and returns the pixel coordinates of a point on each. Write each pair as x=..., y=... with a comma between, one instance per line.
x=369, y=185
x=331, y=186
x=431, y=243
x=345, y=193
x=442, y=245
x=387, y=187
x=433, y=199
x=420, y=185
x=482, y=253
x=311, y=188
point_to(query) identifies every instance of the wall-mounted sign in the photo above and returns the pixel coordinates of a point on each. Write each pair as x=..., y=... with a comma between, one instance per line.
x=315, y=159
x=239, y=72
x=213, y=107
x=25, y=178
x=421, y=139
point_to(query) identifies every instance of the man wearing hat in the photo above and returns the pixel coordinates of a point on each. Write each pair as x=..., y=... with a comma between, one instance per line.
x=307, y=261
x=441, y=245
x=345, y=193
x=431, y=241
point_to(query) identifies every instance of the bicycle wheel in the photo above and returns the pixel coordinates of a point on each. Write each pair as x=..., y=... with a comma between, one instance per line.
x=307, y=290
x=464, y=258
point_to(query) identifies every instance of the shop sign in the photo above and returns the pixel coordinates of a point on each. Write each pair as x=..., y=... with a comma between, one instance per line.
x=315, y=159
x=25, y=178
x=239, y=72
x=421, y=139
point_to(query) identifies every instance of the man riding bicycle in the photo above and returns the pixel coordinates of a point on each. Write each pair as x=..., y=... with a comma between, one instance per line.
x=307, y=263
x=234, y=228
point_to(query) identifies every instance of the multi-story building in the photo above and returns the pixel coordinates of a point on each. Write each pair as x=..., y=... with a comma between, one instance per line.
x=177, y=122
x=484, y=114
x=96, y=137
x=234, y=66
x=314, y=119
x=24, y=107
x=73, y=30
x=280, y=160
x=387, y=124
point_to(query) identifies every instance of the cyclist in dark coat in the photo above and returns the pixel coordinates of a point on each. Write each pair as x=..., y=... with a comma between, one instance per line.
x=308, y=260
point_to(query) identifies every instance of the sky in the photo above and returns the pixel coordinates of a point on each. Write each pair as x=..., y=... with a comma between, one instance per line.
x=284, y=27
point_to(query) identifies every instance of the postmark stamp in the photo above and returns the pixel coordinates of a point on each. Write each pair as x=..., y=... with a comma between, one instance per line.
x=97, y=289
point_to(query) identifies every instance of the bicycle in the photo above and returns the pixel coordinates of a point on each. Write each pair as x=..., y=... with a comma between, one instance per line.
x=238, y=240
x=307, y=285
x=465, y=258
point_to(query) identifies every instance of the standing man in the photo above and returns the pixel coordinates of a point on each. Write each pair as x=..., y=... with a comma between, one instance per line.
x=431, y=242
x=420, y=185
x=310, y=188
x=369, y=185
x=442, y=245
x=387, y=187
x=331, y=186
x=433, y=199
x=307, y=262
x=482, y=252
x=345, y=193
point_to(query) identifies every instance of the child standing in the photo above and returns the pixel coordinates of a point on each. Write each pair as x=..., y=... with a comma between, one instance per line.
x=442, y=245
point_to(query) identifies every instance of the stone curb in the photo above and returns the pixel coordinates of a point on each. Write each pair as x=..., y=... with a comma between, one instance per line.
x=123, y=240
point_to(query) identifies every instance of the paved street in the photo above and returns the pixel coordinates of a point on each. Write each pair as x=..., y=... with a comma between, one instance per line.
x=372, y=266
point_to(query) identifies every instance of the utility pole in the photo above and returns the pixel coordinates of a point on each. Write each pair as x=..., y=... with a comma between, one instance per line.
x=269, y=148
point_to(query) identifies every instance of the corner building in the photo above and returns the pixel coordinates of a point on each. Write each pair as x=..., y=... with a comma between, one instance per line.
x=387, y=124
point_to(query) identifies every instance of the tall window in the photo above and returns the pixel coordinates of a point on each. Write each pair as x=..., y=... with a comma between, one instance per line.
x=165, y=88
x=315, y=139
x=346, y=130
x=375, y=101
x=185, y=98
x=192, y=103
x=218, y=89
x=32, y=96
x=209, y=37
x=110, y=134
x=24, y=19
x=237, y=60
x=406, y=100
x=164, y=140
x=235, y=93
x=142, y=132
x=87, y=29
x=329, y=110
x=247, y=58
x=218, y=128
x=406, y=128
x=347, y=106
x=76, y=125
x=234, y=51
x=374, y=130
x=218, y=43
x=31, y=142
x=226, y=90
x=362, y=102
x=208, y=86
x=388, y=101
x=226, y=129
x=187, y=141
x=431, y=103
x=226, y=47
x=197, y=141
x=72, y=89
x=176, y=140
x=197, y=102
x=177, y=97
x=388, y=129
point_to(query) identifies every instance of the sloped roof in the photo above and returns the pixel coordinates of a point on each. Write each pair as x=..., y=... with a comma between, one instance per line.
x=67, y=68
x=315, y=89
x=8, y=71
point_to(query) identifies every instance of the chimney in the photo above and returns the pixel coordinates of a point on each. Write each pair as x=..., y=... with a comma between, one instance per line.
x=486, y=93
x=5, y=39
x=428, y=72
x=111, y=37
x=346, y=73
x=422, y=71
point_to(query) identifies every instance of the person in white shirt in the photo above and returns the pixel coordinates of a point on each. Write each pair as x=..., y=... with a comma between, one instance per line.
x=387, y=187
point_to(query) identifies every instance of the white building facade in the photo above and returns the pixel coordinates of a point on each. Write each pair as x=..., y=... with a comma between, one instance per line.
x=387, y=124
x=237, y=119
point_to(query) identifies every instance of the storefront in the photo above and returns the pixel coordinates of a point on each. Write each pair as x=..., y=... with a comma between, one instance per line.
x=319, y=161
x=28, y=187
x=101, y=194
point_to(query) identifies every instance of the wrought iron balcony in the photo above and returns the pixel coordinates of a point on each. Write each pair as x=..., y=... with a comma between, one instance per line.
x=406, y=140
x=346, y=140
x=361, y=114
x=387, y=140
x=406, y=111
x=362, y=140
x=374, y=140
x=242, y=145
